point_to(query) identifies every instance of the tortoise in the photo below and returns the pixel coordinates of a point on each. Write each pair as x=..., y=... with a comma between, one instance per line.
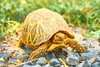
x=45, y=30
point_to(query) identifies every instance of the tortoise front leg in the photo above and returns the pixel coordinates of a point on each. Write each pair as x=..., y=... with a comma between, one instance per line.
x=40, y=51
x=74, y=44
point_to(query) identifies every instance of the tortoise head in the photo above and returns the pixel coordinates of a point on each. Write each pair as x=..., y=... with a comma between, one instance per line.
x=59, y=37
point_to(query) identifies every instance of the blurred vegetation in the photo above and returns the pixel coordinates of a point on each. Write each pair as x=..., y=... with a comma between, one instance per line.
x=84, y=13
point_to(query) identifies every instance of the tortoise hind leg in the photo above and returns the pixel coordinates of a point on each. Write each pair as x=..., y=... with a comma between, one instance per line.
x=40, y=51
x=75, y=45
x=20, y=44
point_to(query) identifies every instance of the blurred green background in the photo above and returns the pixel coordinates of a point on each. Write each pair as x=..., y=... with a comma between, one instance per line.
x=83, y=13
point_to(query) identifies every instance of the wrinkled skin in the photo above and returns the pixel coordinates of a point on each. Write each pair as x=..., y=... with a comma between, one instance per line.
x=58, y=40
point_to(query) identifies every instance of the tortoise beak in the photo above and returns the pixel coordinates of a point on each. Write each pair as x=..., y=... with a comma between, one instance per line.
x=61, y=39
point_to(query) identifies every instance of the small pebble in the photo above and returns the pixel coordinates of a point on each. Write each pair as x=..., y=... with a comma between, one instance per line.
x=27, y=50
x=65, y=50
x=27, y=65
x=57, y=65
x=12, y=65
x=96, y=64
x=72, y=60
x=23, y=57
x=54, y=62
x=20, y=53
x=71, y=66
x=62, y=65
x=49, y=55
x=1, y=47
x=59, y=53
x=3, y=64
x=97, y=52
x=79, y=65
x=77, y=55
x=2, y=59
x=11, y=49
x=32, y=63
x=37, y=65
x=41, y=61
x=90, y=50
x=97, y=59
x=87, y=64
x=5, y=56
x=87, y=56
x=12, y=60
x=47, y=65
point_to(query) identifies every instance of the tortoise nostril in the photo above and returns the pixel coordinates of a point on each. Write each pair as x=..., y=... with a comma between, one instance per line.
x=61, y=39
x=56, y=36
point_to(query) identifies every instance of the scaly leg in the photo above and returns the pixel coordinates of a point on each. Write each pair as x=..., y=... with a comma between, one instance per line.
x=74, y=44
x=40, y=51
x=33, y=47
x=20, y=44
x=55, y=46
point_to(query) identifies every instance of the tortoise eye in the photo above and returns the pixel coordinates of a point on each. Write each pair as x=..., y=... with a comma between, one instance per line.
x=57, y=36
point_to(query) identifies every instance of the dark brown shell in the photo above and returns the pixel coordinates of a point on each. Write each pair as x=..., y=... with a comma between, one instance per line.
x=40, y=25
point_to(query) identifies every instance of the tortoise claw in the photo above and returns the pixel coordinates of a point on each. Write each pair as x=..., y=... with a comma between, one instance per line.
x=36, y=54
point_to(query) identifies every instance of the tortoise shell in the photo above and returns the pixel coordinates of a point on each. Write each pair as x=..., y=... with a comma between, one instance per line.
x=40, y=25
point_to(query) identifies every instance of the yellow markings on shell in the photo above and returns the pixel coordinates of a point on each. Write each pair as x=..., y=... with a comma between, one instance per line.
x=34, y=39
x=37, y=34
x=28, y=37
x=27, y=33
x=43, y=33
